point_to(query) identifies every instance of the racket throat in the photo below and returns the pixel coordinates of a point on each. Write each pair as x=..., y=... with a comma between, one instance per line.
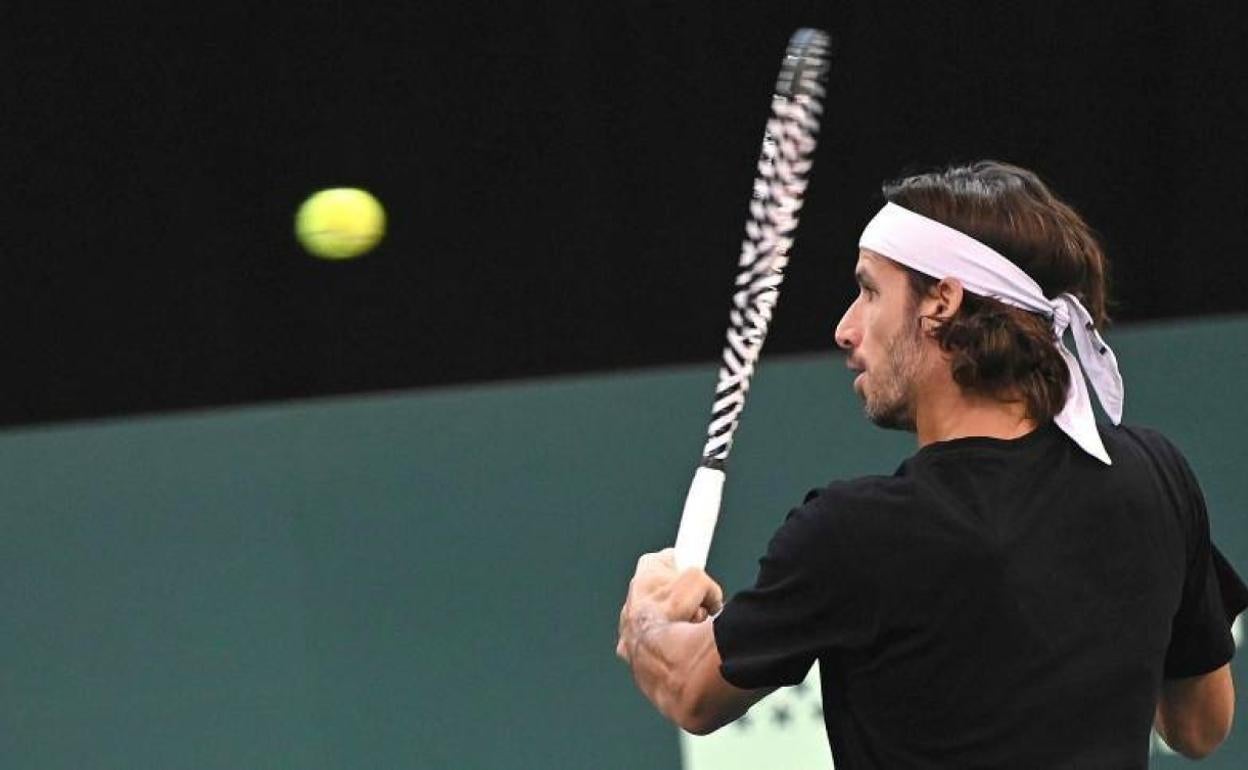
x=714, y=463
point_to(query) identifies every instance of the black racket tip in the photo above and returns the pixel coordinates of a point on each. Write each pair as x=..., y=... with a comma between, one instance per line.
x=806, y=62
x=810, y=37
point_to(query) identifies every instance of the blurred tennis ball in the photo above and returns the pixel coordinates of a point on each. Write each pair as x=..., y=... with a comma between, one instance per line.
x=340, y=223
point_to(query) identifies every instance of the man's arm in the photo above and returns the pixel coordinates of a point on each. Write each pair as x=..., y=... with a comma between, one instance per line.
x=1194, y=713
x=668, y=641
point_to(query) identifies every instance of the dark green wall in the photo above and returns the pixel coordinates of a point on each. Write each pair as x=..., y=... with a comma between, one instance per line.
x=432, y=580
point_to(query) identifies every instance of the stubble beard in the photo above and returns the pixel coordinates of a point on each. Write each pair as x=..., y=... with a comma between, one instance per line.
x=891, y=404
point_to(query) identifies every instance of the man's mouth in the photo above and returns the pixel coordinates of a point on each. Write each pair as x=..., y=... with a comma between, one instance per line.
x=859, y=370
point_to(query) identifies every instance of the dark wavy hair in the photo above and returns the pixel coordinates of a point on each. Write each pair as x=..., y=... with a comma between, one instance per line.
x=998, y=350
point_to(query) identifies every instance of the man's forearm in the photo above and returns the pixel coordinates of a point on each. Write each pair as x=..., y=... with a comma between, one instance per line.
x=664, y=656
x=1194, y=714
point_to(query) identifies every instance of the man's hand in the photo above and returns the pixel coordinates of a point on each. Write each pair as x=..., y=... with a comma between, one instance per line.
x=658, y=595
x=671, y=649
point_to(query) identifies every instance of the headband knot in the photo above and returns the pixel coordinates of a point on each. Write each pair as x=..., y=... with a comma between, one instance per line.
x=935, y=249
x=1061, y=316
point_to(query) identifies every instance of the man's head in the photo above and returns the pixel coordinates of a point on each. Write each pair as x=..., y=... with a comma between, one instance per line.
x=906, y=328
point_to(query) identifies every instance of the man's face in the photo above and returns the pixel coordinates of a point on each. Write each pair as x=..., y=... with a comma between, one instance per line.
x=880, y=332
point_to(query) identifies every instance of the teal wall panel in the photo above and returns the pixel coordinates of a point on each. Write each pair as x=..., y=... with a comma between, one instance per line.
x=431, y=580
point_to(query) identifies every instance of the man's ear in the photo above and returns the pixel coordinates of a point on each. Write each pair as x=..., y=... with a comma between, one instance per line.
x=940, y=303
x=947, y=296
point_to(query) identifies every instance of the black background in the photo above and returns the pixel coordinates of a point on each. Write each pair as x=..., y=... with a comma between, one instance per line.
x=566, y=182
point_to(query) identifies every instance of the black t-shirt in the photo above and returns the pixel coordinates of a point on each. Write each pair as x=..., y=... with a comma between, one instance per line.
x=993, y=604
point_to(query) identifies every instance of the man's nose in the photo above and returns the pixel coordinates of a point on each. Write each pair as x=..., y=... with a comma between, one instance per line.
x=845, y=333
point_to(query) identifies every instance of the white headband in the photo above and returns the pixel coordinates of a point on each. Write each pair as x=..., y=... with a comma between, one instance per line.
x=940, y=251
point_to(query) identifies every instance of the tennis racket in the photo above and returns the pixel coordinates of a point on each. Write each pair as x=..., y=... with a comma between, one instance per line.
x=779, y=189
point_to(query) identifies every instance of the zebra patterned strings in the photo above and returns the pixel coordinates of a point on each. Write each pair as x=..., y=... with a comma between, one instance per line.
x=779, y=189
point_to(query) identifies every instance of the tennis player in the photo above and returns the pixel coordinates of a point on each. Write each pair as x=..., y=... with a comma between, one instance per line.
x=1030, y=589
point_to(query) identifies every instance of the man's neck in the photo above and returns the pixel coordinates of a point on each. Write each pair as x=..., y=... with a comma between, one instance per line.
x=943, y=413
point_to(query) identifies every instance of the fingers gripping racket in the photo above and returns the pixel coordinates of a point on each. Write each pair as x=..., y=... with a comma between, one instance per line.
x=779, y=189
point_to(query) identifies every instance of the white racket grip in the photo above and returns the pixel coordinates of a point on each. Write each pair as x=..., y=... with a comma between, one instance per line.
x=697, y=521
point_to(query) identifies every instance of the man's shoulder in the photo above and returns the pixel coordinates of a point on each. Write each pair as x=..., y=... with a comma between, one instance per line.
x=878, y=527
x=1143, y=444
x=1136, y=434
x=863, y=489
x=866, y=500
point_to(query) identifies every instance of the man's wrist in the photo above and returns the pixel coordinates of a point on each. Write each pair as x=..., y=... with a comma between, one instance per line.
x=645, y=621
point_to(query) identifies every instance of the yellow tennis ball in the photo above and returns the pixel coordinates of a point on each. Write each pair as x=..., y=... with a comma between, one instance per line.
x=340, y=223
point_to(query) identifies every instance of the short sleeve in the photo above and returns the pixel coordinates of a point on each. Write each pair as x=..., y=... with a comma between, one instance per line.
x=809, y=597
x=1213, y=595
